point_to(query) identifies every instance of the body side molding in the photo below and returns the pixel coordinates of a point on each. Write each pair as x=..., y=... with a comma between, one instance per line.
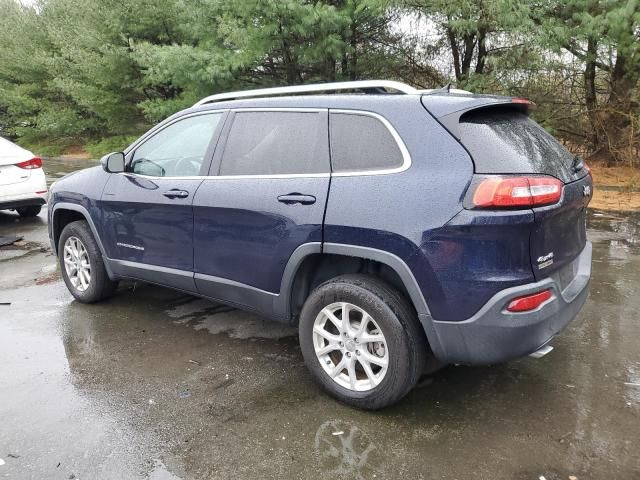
x=282, y=302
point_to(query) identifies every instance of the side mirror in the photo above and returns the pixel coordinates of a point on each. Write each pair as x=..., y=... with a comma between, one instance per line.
x=113, y=162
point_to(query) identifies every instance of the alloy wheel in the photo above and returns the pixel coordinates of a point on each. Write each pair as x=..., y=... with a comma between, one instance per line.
x=77, y=264
x=350, y=346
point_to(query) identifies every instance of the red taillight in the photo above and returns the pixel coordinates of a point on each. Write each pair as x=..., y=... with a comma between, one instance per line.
x=505, y=192
x=529, y=302
x=588, y=168
x=524, y=101
x=35, y=162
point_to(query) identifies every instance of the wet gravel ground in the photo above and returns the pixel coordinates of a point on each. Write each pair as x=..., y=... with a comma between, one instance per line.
x=155, y=384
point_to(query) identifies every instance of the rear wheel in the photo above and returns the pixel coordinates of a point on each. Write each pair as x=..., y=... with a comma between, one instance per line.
x=81, y=264
x=30, y=211
x=362, y=342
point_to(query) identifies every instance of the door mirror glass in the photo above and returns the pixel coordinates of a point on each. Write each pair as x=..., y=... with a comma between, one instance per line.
x=113, y=162
x=147, y=167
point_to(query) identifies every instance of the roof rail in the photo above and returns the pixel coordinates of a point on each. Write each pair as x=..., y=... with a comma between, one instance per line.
x=375, y=85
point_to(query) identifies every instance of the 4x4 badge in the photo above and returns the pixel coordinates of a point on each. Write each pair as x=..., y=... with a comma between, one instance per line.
x=586, y=190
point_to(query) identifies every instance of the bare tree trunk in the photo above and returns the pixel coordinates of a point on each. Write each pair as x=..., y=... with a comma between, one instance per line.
x=615, y=117
x=482, y=51
x=353, y=73
x=590, y=98
x=455, y=53
x=467, y=57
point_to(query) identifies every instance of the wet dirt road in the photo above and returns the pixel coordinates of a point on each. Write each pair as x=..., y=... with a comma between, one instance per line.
x=155, y=384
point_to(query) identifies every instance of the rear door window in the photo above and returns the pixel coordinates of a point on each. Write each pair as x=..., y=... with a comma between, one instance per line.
x=506, y=141
x=276, y=143
x=362, y=143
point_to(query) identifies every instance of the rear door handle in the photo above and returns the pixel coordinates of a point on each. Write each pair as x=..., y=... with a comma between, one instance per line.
x=293, y=198
x=175, y=193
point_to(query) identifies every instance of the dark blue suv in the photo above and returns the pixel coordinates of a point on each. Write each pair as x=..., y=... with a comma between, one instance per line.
x=400, y=229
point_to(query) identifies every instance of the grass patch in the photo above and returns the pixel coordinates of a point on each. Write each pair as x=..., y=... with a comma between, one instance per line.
x=98, y=148
x=47, y=148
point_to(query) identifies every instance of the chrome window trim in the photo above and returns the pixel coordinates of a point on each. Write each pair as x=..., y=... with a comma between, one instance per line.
x=406, y=157
x=231, y=177
x=154, y=131
x=279, y=109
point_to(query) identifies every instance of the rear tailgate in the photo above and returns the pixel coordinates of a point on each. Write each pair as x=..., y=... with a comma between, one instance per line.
x=559, y=233
x=502, y=140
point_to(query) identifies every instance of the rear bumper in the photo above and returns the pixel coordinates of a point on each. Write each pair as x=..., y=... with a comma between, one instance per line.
x=6, y=204
x=494, y=335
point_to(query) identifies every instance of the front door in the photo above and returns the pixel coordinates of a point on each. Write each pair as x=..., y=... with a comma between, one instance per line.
x=148, y=216
x=268, y=199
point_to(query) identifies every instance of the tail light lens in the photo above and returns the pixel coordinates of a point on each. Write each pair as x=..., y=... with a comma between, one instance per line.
x=35, y=162
x=529, y=302
x=514, y=192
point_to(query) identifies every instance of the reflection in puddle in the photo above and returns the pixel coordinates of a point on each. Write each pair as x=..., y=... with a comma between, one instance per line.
x=345, y=450
x=216, y=318
x=160, y=472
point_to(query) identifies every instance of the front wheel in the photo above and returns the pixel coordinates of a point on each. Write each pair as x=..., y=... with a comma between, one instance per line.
x=362, y=342
x=81, y=264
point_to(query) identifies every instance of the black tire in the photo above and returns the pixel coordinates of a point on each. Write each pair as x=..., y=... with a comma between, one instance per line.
x=100, y=285
x=408, y=348
x=30, y=211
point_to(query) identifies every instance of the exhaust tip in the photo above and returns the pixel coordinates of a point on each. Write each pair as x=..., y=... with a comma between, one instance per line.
x=541, y=352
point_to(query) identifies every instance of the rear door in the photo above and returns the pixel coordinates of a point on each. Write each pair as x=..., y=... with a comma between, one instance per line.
x=503, y=140
x=265, y=197
x=148, y=215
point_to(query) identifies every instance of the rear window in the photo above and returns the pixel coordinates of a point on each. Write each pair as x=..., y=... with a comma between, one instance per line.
x=504, y=141
x=362, y=143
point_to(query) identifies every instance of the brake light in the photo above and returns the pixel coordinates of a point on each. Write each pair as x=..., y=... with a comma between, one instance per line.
x=529, y=302
x=530, y=106
x=588, y=168
x=35, y=162
x=509, y=192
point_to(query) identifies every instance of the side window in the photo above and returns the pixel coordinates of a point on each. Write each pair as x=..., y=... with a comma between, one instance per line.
x=274, y=143
x=177, y=150
x=362, y=142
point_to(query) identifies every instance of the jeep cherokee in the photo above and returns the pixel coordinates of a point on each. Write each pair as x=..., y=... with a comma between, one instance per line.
x=399, y=229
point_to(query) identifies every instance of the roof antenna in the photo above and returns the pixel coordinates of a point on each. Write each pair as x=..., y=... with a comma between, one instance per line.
x=445, y=89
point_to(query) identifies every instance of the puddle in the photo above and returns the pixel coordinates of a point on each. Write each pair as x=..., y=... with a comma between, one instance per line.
x=217, y=319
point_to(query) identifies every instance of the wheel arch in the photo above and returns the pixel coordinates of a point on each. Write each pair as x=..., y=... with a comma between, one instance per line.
x=65, y=213
x=310, y=265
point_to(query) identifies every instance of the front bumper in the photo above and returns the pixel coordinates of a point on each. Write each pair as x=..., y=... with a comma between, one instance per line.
x=494, y=335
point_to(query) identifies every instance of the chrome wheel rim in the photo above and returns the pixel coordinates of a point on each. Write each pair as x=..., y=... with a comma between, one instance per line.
x=77, y=264
x=350, y=346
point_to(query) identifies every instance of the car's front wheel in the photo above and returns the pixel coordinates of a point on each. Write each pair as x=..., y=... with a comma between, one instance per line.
x=362, y=342
x=81, y=264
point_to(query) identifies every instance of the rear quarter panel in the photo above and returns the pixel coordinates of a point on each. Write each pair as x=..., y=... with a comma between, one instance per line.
x=402, y=213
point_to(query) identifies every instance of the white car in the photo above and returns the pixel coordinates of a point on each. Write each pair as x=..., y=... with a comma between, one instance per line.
x=23, y=186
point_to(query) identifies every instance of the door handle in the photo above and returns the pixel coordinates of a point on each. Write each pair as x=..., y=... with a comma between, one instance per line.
x=175, y=193
x=295, y=197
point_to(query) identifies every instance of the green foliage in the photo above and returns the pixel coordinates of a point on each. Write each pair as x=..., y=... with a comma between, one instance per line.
x=87, y=70
x=100, y=148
